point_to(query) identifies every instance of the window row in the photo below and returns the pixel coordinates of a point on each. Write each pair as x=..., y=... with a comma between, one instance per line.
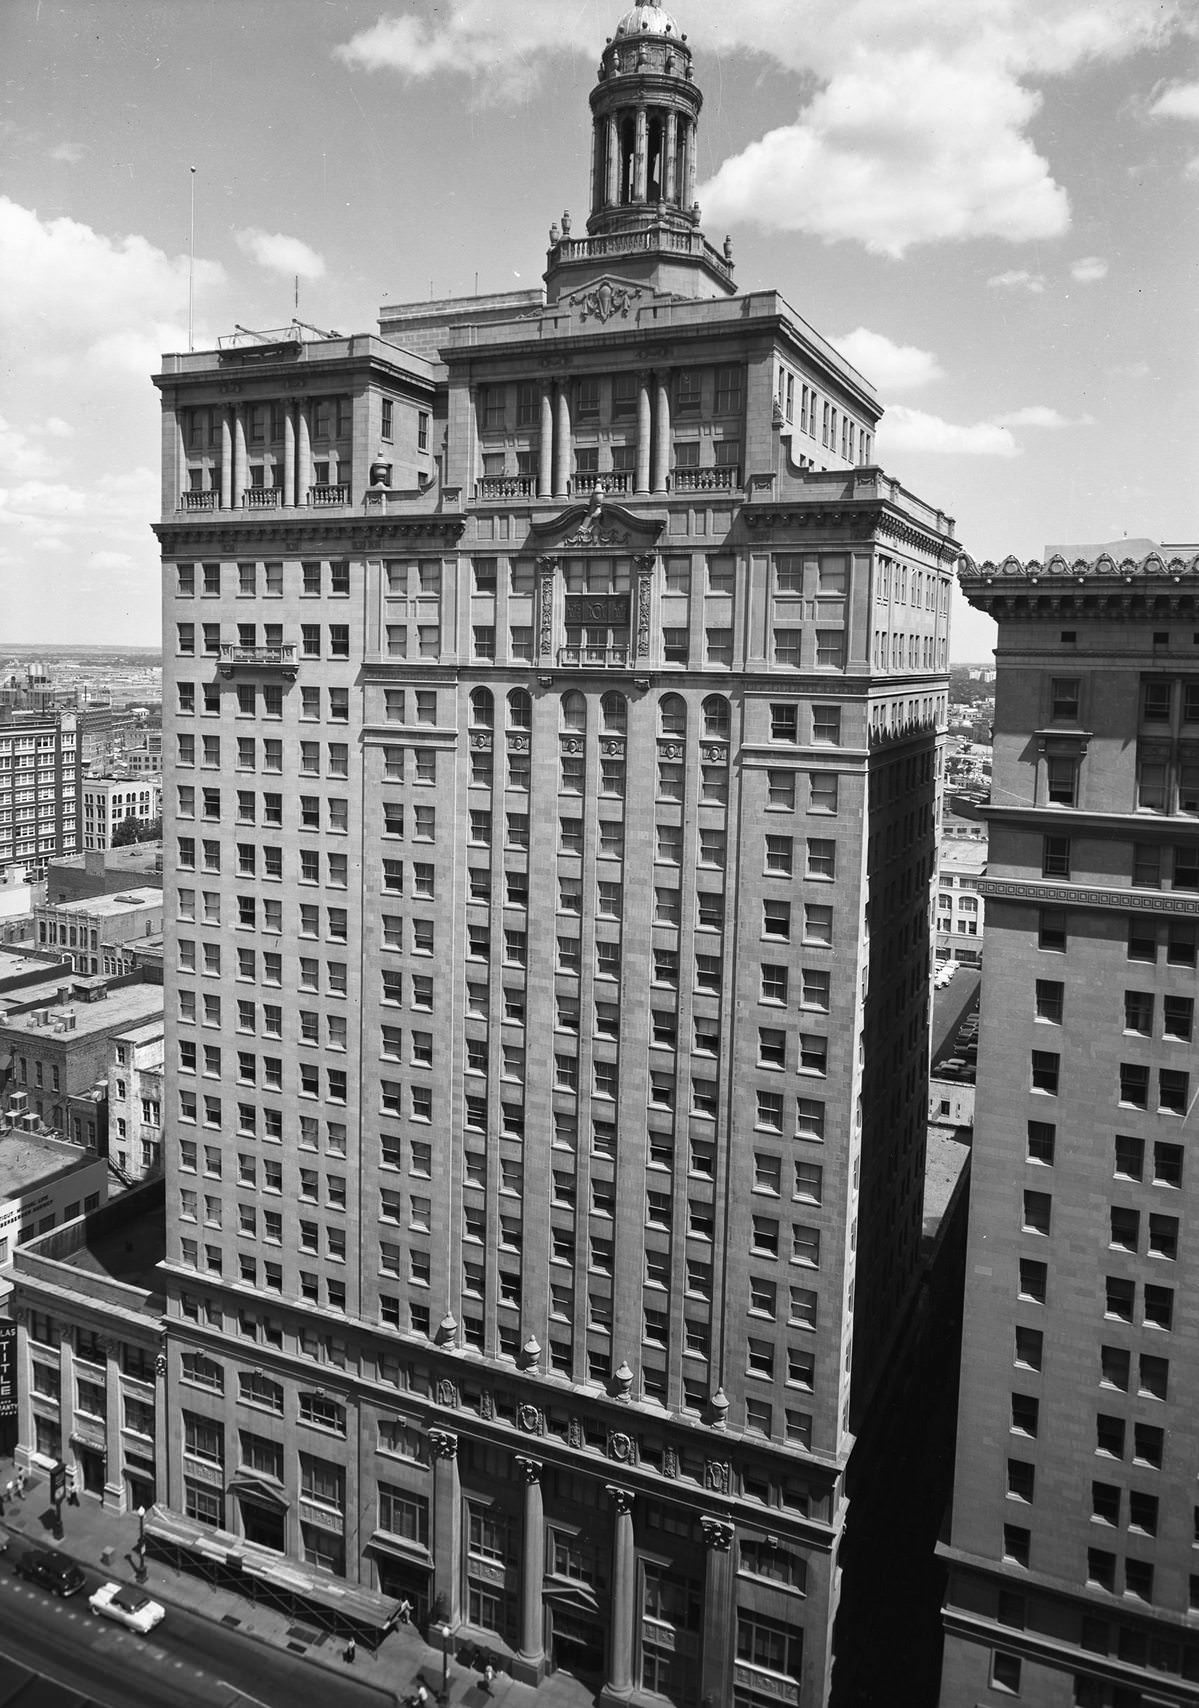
x=317, y=579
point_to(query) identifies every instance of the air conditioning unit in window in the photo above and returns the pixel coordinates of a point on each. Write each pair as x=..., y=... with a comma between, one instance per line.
x=18, y=1102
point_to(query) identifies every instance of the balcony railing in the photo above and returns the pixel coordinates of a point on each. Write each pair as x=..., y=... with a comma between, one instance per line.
x=726, y=479
x=506, y=486
x=619, y=481
x=326, y=497
x=262, y=497
x=594, y=657
x=278, y=658
x=199, y=500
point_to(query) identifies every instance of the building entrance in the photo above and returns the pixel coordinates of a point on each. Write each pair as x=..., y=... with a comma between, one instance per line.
x=577, y=1646
x=91, y=1469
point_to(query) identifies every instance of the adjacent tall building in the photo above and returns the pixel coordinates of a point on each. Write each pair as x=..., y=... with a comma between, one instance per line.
x=1073, y=1575
x=553, y=704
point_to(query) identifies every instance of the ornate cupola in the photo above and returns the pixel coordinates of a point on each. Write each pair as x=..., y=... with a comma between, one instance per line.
x=644, y=220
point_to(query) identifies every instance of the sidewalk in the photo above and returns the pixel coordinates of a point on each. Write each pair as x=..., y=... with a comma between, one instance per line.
x=106, y=1542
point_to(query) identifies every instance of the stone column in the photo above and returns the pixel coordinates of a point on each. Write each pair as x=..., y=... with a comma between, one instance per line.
x=289, y=454
x=662, y=433
x=644, y=421
x=532, y=1611
x=66, y=1404
x=670, y=188
x=716, y=1662
x=304, y=458
x=624, y=1589
x=562, y=446
x=545, y=447
x=612, y=172
x=240, y=479
x=447, y=1524
x=182, y=478
x=226, y=460
x=115, y=1493
x=689, y=173
x=641, y=156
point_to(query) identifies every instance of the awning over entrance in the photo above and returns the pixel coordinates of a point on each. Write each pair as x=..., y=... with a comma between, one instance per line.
x=344, y=1608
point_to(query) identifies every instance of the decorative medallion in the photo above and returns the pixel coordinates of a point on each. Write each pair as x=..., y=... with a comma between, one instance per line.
x=605, y=300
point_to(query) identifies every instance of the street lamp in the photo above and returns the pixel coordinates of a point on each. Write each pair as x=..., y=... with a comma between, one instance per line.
x=140, y=1568
x=446, y=1635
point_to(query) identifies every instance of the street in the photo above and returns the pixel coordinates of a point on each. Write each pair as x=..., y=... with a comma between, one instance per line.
x=186, y=1661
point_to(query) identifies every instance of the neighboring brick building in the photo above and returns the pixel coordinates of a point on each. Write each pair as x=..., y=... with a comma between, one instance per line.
x=41, y=780
x=553, y=733
x=60, y=1047
x=135, y=1100
x=104, y=871
x=1073, y=1574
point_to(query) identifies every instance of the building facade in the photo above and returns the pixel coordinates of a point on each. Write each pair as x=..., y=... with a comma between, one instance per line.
x=552, y=716
x=109, y=802
x=135, y=1101
x=41, y=779
x=1072, y=1565
x=98, y=935
x=959, y=901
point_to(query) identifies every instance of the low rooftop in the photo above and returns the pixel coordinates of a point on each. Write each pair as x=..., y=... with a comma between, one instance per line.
x=27, y=1158
x=113, y=1253
x=126, y=1005
x=105, y=907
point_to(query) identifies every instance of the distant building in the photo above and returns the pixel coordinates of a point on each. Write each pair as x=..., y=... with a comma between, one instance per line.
x=43, y=1181
x=98, y=936
x=961, y=864
x=111, y=801
x=104, y=872
x=60, y=1048
x=88, y=1304
x=41, y=778
x=135, y=1101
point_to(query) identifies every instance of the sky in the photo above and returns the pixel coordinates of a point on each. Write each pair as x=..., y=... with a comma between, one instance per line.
x=990, y=206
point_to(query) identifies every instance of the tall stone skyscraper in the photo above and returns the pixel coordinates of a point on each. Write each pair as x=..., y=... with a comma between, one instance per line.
x=554, y=696
x=1073, y=1575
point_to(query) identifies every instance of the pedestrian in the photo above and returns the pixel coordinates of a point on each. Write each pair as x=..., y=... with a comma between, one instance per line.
x=21, y=1484
x=421, y=1699
x=405, y=1611
x=488, y=1677
x=351, y=1651
x=10, y=1489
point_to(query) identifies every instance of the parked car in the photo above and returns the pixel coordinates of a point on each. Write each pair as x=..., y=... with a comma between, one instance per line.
x=128, y=1606
x=53, y=1571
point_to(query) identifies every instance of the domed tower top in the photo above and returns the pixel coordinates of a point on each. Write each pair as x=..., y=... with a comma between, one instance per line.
x=644, y=219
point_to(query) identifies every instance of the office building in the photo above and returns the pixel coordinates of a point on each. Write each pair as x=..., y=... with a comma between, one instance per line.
x=1073, y=1577
x=41, y=772
x=553, y=702
x=114, y=800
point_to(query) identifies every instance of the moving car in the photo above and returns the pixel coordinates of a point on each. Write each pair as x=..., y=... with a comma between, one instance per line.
x=53, y=1571
x=128, y=1605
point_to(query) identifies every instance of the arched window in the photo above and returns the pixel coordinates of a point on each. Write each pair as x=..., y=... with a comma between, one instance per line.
x=614, y=709
x=520, y=710
x=672, y=715
x=574, y=711
x=716, y=716
x=482, y=708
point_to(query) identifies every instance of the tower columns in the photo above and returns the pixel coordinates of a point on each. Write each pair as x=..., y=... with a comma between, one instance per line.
x=688, y=197
x=289, y=455
x=718, y=1609
x=447, y=1523
x=670, y=191
x=644, y=427
x=226, y=461
x=612, y=162
x=562, y=443
x=662, y=433
x=624, y=1585
x=641, y=156
x=304, y=458
x=545, y=444
x=239, y=455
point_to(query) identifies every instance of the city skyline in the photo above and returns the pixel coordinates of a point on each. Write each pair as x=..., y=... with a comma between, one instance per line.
x=1012, y=277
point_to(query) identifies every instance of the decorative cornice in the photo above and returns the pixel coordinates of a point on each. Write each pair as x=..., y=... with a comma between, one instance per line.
x=363, y=532
x=863, y=517
x=1080, y=895
x=1098, y=586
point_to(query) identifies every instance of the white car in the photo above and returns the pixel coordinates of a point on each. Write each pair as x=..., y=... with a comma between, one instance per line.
x=128, y=1606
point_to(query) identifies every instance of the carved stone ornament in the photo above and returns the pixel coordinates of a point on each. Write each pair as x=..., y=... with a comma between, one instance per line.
x=670, y=749
x=622, y=1447
x=716, y=755
x=530, y=1420
x=518, y=744
x=530, y=1469
x=717, y=1476
x=545, y=606
x=622, y=1499
x=572, y=744
x=443, y=1443
x=576, y=1436
x=717, y=1534
x=160, y=1363
x=604, y=300
x=480, y=740
x=645, y=572
x=670, y=1462
x=487, y=1404
x=613, y=746
x=447, y=1392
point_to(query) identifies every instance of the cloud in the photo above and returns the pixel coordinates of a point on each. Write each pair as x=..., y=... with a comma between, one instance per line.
x=1017, y=279
x=1089, y=269
x=1177, y=101
x=1039, y=415
x=70, y=153
x=911, y=430
x=1129, y=371
x=913, y=118
x=56, y=428
x=109, y=560
x=281, y=254
x=20, y=457
x=887, y=365
x=1191, y=170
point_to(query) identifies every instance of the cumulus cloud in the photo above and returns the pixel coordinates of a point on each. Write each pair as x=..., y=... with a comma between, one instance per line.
x=70, y=153
x=1018, y=279
x=912, y=122
x=885, y=364
x=903, y=429
x=281, y=254
x=1176, y=101
x=1040, y=415
x=1089, y=269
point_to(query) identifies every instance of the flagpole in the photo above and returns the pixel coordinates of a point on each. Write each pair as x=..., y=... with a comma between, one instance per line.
x=191, y=264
